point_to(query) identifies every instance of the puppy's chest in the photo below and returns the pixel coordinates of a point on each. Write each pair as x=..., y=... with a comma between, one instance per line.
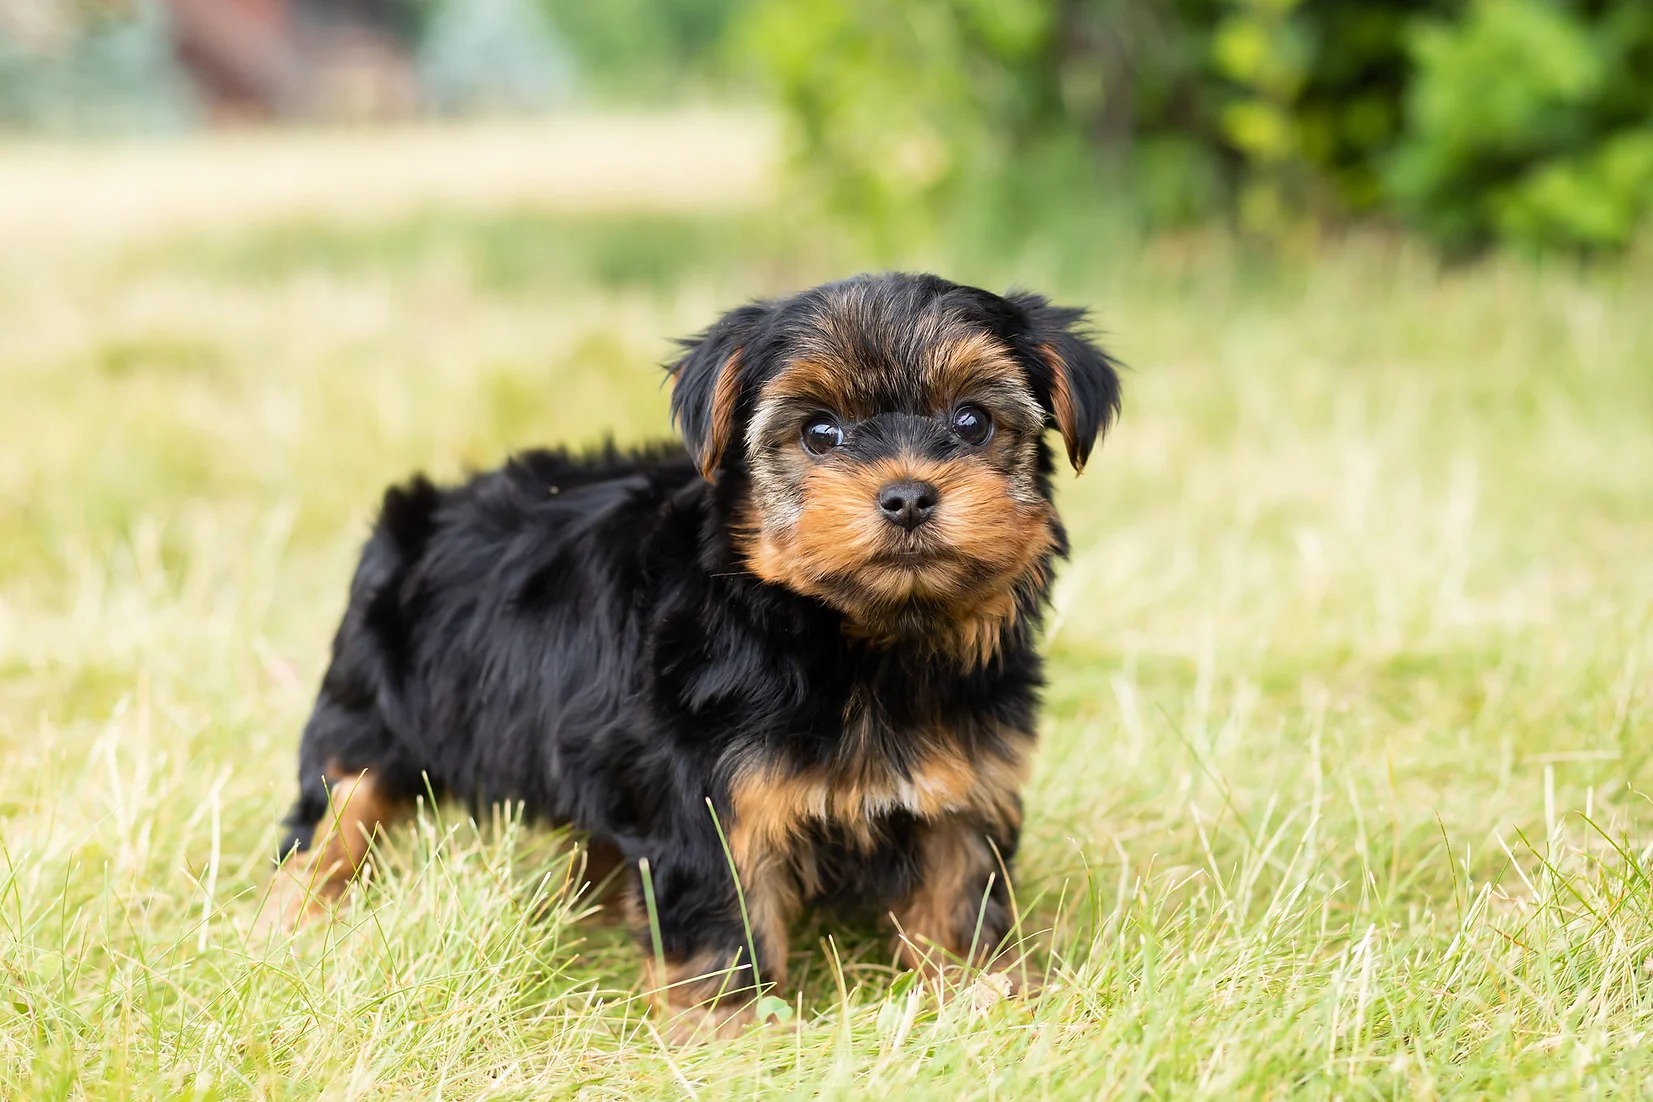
x=882, y=769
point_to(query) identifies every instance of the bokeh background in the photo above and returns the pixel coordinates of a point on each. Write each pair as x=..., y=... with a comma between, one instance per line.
x=1342, y=787
x=1468, y=122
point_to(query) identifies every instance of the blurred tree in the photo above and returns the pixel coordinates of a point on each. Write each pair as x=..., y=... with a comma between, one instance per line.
x=326, y=59
x=493, y=55
x=1530, y=121
x=1527, y=120
x=646, y=50
x=73, y=66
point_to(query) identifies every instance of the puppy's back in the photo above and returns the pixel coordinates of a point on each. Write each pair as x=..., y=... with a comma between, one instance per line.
x=489, y=626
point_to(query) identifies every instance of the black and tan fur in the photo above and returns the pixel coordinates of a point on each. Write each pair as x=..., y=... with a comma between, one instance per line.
x=745, y=644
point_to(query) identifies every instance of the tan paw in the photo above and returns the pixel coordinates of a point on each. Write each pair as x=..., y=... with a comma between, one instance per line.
x=296, y=896
x=696, y=1024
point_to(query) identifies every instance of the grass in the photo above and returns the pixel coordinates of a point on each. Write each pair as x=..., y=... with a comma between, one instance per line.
x=1342, y=784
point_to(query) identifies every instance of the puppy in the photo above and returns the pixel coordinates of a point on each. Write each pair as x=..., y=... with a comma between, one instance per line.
x=791, y=666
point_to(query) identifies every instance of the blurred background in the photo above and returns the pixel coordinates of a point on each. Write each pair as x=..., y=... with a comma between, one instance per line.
x=1468, y=122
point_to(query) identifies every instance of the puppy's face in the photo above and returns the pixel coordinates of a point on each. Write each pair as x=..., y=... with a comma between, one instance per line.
x=890, y=434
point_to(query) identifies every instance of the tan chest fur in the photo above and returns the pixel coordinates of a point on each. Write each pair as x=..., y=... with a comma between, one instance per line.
x=771, y=804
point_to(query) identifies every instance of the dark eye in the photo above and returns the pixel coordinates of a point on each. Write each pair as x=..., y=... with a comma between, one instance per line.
x=972, y=424
x=821, y=435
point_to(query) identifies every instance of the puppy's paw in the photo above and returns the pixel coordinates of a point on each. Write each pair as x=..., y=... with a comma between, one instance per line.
x=1008, y=977
x=296, y=897
x=698, y=1024
x=1016, y=976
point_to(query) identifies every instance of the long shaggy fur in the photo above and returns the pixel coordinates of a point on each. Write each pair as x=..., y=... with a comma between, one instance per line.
x=601, y=639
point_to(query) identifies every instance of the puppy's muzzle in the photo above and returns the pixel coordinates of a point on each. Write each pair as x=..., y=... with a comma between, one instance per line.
x=908, y=502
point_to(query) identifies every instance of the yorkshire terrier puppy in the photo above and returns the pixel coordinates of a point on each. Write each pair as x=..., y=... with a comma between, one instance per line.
x=792, y=666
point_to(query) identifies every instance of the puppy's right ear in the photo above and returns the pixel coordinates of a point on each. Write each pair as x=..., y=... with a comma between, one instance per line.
x=708, y=383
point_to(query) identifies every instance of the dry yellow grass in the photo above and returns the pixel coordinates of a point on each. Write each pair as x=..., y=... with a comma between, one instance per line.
x=690, y=162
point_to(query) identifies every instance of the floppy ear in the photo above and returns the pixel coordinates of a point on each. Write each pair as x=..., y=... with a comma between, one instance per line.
x=1077, y=382
x=707, y=384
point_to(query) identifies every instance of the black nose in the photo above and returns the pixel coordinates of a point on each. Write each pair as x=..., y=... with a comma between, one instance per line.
x=908, y=503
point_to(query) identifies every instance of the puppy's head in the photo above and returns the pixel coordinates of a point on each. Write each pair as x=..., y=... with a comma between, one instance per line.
x=888, y=432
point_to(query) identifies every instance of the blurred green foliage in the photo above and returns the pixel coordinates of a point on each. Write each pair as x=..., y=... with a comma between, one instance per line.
x=636, y=51
x=646, y=50
x=991, y=124
x=1530, y=121
x=1526, y=121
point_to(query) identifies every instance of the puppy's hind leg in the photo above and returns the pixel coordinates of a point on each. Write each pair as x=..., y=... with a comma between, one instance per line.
x=333, y=827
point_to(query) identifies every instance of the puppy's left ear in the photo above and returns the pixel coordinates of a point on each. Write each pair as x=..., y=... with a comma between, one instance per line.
x=1075, y=380
x=707, y=385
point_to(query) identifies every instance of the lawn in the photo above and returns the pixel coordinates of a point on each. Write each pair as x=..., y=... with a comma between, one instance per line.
x=1342, y=785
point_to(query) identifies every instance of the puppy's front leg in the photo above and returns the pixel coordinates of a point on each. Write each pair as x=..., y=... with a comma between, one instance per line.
x=335, y=845
x=700, y=974
x=960, y=907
